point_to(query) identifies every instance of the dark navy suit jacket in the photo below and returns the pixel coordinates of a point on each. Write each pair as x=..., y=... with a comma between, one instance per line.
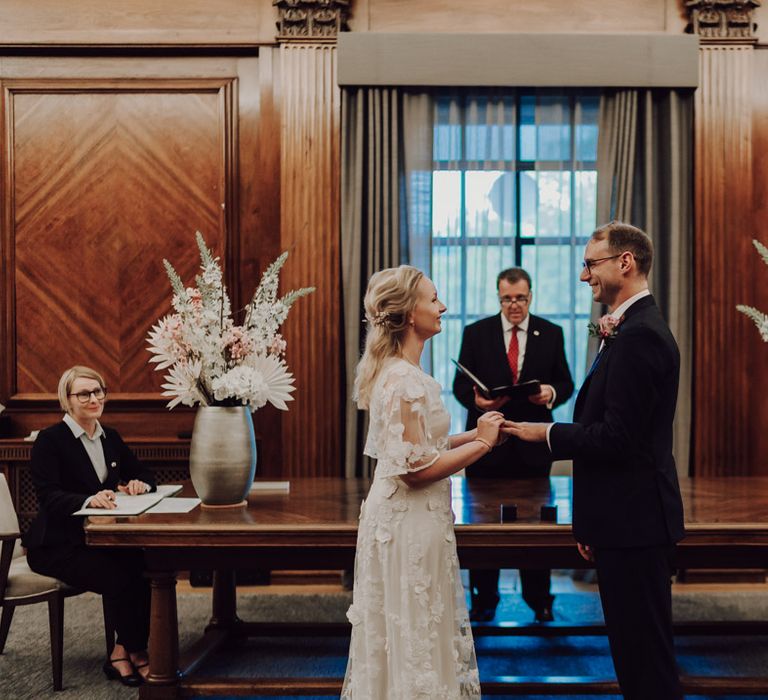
x=482, y=352
x=625, y=487
x=64, y=477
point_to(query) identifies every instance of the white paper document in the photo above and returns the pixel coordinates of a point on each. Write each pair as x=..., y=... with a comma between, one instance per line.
x=174, y=505
x=133, y=505
x=270, y=486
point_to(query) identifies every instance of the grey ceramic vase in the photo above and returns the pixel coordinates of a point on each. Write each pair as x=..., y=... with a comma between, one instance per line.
x=222, y=456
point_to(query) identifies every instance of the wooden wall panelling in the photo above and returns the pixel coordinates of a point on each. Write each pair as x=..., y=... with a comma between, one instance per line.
x=108, y=179
x=310, y=179
x=139, y=22
x=759, y=271
x=723, y=197
x=158, y=160
x=260, y=208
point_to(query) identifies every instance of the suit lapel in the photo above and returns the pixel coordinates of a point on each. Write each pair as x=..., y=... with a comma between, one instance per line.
x=84, y=464
x=110, y=459
x=532, y=339
x=499, y=352
x=639, y=305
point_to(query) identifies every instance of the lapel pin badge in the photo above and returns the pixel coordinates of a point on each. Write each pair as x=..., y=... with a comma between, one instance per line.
x=113, y=465
x=536, y=333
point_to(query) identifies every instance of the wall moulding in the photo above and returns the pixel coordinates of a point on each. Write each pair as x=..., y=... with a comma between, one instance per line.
x=722, y=20
x=311, y=20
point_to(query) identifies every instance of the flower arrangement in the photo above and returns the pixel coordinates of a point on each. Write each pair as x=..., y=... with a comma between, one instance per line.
x=211, y=360
x=606, y=328
x=760, y=319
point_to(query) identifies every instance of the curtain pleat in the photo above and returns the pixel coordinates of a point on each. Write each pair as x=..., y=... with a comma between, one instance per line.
x=381, y=129
x=645, y=177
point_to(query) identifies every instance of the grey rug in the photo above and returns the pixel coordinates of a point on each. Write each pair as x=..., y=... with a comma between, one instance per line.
x=25, y=668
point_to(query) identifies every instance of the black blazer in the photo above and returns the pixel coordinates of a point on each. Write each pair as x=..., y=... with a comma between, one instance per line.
x=64, y=477
x=625, y=488
x=482, y=352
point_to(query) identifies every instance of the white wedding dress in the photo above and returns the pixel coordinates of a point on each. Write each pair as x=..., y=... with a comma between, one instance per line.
x=411, y=637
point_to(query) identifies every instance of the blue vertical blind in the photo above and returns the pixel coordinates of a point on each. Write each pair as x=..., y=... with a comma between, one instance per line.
x=514, y=183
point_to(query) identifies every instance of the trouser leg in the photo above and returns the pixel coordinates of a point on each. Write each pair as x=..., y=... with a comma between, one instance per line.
x=636, y=594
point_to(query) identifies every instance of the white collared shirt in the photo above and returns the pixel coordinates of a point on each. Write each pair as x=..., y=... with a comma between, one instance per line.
x=522, y=344
x=522, y=338
x=93, y=445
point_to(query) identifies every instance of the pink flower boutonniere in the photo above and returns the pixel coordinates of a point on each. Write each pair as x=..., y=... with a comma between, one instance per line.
x=607, y=328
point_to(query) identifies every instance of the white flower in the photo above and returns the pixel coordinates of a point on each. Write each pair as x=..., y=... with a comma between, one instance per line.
x=760, y=318
x=212, y=360
x=182, y=383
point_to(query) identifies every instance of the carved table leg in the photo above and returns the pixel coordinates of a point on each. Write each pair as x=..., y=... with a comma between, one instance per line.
x=224, y=613
x=163, y=639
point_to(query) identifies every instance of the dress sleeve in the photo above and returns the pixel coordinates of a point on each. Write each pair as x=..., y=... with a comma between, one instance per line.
x=405, y=444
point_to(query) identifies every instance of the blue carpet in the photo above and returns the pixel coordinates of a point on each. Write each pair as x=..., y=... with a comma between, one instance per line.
x=326, y=657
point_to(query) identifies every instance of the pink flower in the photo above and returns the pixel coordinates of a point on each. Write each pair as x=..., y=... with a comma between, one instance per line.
x=606, y=328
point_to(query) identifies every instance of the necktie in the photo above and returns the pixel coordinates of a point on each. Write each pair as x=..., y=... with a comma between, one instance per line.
x=596, y=361
x=513, y=353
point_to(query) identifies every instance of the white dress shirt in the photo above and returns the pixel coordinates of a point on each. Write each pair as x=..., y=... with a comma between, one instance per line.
x=93, y=446
x=522, y=338
x=522, y=343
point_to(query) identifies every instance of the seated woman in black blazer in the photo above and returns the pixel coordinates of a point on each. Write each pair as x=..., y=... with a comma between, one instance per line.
x=78, y=463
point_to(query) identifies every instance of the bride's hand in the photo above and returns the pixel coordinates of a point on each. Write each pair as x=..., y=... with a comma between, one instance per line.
x=488, y=426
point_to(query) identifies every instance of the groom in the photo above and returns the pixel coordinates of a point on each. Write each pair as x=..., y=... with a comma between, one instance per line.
x=627, y=511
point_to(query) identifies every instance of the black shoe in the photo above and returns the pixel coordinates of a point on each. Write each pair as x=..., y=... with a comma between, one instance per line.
x=132, y=679
x=483, y=609
x=544, y=614
x=477, y=614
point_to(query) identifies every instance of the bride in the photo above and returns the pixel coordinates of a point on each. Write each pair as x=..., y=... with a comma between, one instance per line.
x=411, y=637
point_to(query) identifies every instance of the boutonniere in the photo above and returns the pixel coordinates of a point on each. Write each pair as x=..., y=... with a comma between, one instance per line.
x=607, y=328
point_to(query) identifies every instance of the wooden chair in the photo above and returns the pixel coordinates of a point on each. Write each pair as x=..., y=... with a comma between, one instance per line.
x=19, y=585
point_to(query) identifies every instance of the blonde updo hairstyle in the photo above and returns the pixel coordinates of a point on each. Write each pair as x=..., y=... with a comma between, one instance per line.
x=68, y=379
x=389, y=300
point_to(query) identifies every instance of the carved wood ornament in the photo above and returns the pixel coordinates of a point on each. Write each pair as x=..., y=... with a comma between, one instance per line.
x=722, y=20
x=314, y=20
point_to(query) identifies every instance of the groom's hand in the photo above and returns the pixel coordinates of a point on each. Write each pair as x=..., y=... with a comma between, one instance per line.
x=529, y=432
x=586, y=551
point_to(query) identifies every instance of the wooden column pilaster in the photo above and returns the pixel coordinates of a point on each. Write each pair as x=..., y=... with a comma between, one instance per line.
x=310, y=230
x=723, y=209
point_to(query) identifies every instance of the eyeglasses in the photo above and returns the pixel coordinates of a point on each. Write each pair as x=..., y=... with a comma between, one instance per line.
x=589, y=264
x=520, y=299
x=85, y=396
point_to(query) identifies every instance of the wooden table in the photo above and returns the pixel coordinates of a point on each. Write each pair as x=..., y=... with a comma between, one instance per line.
x=315, y=527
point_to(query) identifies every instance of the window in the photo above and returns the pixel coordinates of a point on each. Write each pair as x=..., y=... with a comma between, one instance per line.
x=514, y=183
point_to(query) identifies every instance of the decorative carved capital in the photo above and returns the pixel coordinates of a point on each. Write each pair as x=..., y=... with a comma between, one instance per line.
x=311, y=20
x=722, y=20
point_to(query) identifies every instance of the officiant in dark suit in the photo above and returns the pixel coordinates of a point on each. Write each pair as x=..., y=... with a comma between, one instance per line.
x=511, y=347
x=79, y=463
x=627, y=510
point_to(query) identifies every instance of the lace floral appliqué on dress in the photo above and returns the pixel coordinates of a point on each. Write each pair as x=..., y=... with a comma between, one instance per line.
x=411, y=638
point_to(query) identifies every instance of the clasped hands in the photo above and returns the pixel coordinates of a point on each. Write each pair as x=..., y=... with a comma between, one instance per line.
x=106, y=497
x=530, y=432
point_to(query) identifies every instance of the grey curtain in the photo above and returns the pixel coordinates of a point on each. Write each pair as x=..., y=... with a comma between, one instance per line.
x=645, y=177
x=386, y=142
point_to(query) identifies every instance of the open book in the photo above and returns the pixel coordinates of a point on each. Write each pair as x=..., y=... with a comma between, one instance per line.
x=522, y=390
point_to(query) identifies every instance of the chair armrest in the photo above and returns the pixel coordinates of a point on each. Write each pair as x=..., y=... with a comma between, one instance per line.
x=6, y=554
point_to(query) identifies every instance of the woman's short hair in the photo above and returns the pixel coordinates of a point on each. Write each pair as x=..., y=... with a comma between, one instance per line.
x=621, y=237
x=68, y=379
